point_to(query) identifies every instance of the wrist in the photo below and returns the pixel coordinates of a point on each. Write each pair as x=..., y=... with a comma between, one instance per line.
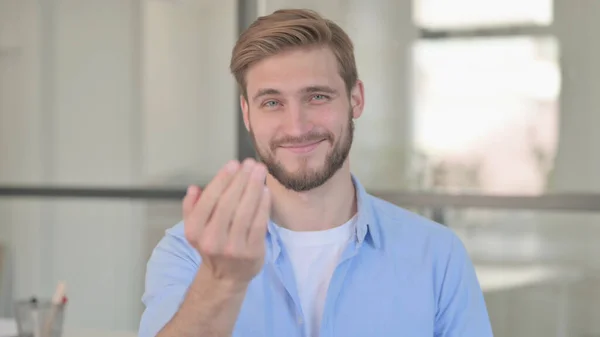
x=220, y=285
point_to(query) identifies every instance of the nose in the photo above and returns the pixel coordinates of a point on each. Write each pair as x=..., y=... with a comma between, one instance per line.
x=297, y=120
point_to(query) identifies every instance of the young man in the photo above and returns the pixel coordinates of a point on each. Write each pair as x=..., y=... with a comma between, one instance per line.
x=311, y=253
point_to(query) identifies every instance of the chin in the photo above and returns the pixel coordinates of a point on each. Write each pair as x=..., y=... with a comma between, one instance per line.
x=309, y=158
x=303, y=166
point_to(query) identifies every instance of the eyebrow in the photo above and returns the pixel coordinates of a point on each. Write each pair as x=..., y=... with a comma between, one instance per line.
x=307, y=90
x=319, y=88
x=265, y=92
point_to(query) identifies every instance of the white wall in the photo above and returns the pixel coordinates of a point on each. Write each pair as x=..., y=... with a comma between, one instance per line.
x=105, y=93
x=22, y=140
x=578, y=161
x=97, y=141
x=80, y=83
x=189, y=96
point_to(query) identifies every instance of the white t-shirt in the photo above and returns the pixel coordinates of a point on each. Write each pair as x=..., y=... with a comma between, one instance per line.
x=314, y=257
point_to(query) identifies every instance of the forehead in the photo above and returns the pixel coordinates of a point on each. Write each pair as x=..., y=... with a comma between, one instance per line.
x=292, y=70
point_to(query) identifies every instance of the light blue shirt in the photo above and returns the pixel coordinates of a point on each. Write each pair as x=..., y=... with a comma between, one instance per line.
x=402, y=275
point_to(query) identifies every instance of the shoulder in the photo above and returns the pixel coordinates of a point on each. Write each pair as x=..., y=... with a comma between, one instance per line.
x=175, y=241
x=424, y=245
x=176, y=232
x=410, y=234
x=173, y=255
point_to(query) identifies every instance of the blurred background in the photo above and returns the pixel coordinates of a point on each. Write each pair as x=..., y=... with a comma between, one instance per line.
x=481, y=114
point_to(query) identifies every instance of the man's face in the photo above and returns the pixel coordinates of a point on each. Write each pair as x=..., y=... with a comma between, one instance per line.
x=300, y=116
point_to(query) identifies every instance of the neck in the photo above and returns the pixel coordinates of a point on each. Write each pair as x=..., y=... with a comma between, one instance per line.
x=327, y=206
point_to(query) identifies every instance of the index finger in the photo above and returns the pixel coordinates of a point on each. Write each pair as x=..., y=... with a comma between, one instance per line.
x=210, y=195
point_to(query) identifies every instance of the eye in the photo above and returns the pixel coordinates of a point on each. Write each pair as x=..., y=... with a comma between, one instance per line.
x=320, y=97
x=270, y=104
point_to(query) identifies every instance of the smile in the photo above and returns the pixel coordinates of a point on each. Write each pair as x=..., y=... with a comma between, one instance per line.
x=303, y=148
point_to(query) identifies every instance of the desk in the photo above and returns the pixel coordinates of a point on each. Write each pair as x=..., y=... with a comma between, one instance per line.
x=8, y=328
x=499, y=278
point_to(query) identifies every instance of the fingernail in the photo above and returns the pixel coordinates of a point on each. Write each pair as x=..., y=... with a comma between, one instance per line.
x=232, y=166
x=189, y=190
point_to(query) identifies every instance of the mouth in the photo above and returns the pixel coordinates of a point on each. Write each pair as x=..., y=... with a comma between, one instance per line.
x=304, y=147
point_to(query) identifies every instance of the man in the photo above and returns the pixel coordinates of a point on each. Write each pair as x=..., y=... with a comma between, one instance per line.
x=310, y=253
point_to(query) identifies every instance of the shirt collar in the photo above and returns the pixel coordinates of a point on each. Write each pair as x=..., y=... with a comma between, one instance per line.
x=366, y=225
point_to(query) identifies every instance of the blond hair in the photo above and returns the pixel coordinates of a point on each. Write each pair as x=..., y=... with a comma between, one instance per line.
x=287, y=29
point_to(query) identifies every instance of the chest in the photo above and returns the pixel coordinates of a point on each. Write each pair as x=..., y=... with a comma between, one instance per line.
x=362, y=299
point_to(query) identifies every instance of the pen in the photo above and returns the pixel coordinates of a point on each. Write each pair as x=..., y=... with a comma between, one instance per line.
x=58, y=301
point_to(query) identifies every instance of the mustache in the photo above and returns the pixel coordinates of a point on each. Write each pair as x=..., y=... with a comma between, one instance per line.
x=306, y=138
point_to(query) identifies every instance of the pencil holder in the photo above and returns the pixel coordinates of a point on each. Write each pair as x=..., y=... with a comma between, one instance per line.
x=39, y=318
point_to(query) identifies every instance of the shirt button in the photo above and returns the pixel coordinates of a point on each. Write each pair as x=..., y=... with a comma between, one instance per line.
x=300, y=321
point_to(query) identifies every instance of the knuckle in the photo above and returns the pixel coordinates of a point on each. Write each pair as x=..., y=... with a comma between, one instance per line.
x=231, y=250
x=208, y=245
x=242, y=216
x=249, y=256
x=205, y=251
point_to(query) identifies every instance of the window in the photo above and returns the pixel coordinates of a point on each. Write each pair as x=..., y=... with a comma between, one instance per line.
x=464, y=14
x=486, y=112
x=485, y=109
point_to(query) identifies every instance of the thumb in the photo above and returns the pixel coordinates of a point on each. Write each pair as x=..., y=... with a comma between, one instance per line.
x=191, y=197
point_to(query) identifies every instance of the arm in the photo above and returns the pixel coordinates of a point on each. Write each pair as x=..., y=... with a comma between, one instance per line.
x=461, y=306
x=198, y=274
x=181, y=298
x=209, y=309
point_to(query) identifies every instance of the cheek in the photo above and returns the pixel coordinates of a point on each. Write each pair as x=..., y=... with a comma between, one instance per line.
x=336, y=117
x=337, y=126
x=262, y=136
x=325, y=120
x=264, y=129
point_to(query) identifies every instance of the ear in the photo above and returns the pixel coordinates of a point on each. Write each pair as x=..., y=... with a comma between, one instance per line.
x=245, y=109
x=357, y=99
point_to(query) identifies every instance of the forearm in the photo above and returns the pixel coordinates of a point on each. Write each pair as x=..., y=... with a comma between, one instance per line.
x=210, y=309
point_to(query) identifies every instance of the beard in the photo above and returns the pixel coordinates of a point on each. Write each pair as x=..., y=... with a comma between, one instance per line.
x=305, y=178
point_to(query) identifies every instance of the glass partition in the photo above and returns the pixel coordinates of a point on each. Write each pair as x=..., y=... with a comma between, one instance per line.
x=538, y=269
